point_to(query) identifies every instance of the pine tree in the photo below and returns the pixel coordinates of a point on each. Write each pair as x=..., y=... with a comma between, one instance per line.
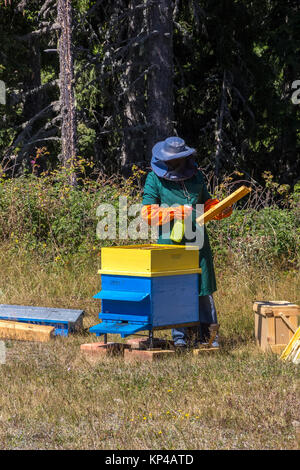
x=66, y=85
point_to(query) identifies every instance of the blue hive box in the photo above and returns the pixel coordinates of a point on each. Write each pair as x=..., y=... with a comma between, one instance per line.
x=131, y=303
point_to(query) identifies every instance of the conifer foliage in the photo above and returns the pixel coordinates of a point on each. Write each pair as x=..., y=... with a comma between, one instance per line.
x=106, y=80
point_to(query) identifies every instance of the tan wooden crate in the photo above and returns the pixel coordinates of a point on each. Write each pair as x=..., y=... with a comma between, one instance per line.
x=275, y=323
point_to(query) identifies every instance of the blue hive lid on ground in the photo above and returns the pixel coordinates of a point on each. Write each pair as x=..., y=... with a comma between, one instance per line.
x=46, y=314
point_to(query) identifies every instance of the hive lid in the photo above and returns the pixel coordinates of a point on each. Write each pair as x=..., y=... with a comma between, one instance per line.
x=45, y=314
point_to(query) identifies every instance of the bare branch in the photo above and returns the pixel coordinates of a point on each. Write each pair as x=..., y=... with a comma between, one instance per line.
x=39, y=32
x=54, y=106
x=27, y=126
x=22, y=5
x=17, y=98
x=45, y=8
x=41, y=136
x=244, y=103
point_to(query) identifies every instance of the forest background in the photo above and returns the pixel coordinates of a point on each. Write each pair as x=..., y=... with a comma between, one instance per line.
x=107, y=80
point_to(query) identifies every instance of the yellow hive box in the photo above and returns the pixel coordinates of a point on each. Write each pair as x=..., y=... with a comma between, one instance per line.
x=150, y=260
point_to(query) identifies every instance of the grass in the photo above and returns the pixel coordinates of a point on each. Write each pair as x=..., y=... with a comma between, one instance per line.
x=53, y=397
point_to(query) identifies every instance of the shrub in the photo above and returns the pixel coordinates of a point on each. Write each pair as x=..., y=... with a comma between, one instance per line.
x=46, y=212
x=260, y=237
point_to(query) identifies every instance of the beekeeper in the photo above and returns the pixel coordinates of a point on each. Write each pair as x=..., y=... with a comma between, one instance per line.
x=176, y=180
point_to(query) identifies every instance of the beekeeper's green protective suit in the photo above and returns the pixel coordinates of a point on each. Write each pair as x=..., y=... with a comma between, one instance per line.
x=192, y=191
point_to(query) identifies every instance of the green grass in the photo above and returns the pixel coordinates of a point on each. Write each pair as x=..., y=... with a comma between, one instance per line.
x=54, y=397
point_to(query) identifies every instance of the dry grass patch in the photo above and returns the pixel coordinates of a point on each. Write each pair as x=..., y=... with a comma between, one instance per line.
x=53, y=397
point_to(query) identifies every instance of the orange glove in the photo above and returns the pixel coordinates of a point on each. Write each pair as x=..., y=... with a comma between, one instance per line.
x=213, y=202
x=182, y=212
x=153, y=214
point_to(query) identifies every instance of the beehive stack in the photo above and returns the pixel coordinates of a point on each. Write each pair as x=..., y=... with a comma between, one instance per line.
x=147, y=287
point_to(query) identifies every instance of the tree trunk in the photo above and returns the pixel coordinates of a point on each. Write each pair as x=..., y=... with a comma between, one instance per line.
x=33, y=102
x=133, y=148
x=67, y=98
x=219, y=127
x=160, y=102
